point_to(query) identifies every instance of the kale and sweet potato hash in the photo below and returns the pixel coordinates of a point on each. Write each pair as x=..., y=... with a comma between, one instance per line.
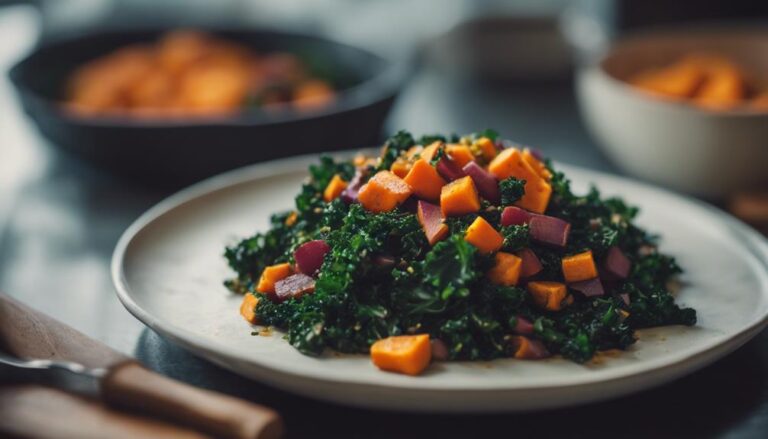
x=453, y=248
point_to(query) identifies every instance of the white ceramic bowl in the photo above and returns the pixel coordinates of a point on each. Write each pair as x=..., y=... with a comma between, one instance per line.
x=702, y=152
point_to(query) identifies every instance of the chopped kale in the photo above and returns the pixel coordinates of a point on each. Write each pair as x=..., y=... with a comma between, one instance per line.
x=443, y=290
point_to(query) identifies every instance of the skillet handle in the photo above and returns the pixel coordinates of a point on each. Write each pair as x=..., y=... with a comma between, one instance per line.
x=129, y=385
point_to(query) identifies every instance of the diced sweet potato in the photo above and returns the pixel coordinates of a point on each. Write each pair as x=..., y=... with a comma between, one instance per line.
x=335, y=187
x=400, y=167
x=408, y=354
x=271, y=275
x=383, y=192
x=486, y=148
x=248, y=308
x=506, y=271
x=676, y=81
x=510, y=163
x=460, y=154
x=429, y=151
x=291, y=219
x=424, y=180
x=579, y=267
x=459, y=197
x=483, y=236
x=536, y=164
x=548, y=295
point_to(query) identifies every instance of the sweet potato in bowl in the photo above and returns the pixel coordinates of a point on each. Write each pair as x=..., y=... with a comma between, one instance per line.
x=685, y=147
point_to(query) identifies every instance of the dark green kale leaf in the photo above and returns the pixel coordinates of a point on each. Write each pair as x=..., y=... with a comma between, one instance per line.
x=516, y=237
x=512, y=190
x=393, y=147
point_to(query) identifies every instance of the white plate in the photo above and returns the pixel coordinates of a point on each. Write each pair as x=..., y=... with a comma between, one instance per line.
x=168, y=269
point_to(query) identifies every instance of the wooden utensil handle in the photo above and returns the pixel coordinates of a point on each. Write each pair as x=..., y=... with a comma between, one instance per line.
x=131, y=386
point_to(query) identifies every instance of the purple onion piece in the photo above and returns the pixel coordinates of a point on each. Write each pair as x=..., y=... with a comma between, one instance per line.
x=531, y=264
x=295, y=285
x=439, y=349
x=310, y=255
x=589, y=288
x=486, y=183
x=549, y=230
x=523, y=326
x=514, y=216
x=449, y=170
x=616, y=263
x=349, y=195
x=431, y=219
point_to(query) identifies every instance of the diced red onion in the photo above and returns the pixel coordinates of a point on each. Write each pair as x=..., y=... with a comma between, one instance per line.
x=589, y=288
x=439, y=349
x=549, y=230
x=349, y=195
x=310, y=255
x=486, y=183
x=531, y=264
x=449, y=170
x=295, y=285
x=616, y=263
x=431, y=218
x=523, y=326
x=514, y=216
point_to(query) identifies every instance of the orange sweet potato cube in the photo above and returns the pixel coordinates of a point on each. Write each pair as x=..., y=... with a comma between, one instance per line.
x=383, y=192
x=408, y=354
x=248, y=308
x=510, y=163
x=335, y=187
x=483, y=236
x=459, y=197
x=460, y=154
x=548, y=295
x=506, y=270
x=424, y=180
x=486, y=148
x=579, y=267
x=271, y=275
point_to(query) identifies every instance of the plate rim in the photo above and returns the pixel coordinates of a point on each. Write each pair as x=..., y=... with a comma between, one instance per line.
x=755, y=243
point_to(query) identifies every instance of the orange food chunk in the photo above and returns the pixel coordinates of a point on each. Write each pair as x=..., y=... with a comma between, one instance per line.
x=486, y=148
x=460, y=154
x=510, y=163
x=676, y=81
x=428, y=153
x=400, y=167
x=383, y=192
x=424, y=180
x=271, y=275
x=413, y=152
x=290, y=220
x=459, y=197
x=548, y=295
x=248, y=307
x=525, y=350
x=483, y=236
x=536, y=164
x=579, y=267
x=335, y=187
x=506, y=270
x=723, y=89
x=408, y=354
